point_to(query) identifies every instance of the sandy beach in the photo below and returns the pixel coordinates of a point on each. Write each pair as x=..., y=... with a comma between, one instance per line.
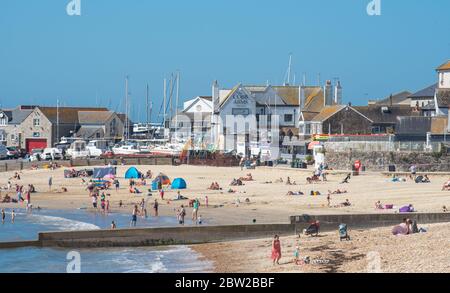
x=418, y=253
x=268, y=203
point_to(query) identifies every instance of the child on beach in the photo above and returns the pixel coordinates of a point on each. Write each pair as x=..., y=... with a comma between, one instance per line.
x=113, y=225
x=297, y=255
x=206, y=201
x=134, y=215
x=155, y=207
x=161, y=193
x=120, y=204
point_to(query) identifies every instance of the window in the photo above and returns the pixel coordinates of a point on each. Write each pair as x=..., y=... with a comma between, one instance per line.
x=36, y=122
x=13, y=137
x=288, y=117
x=308, y=128
x=2, y=137
x=3, y=121
x=240, y=111
x=36, y=134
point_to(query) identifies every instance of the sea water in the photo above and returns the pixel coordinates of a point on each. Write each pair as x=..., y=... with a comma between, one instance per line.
x=111, y=260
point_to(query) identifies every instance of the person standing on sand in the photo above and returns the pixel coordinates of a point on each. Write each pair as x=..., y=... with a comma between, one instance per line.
x=50, y=183
x=155, y=207
x=117, y=184
x=276, y=250
x=206, y=201
x=161, y=193
x=134, y=215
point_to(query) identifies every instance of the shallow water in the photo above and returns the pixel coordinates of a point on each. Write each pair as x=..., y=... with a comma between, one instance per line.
x=178, y=259
x=27, y=225
x=111, y=260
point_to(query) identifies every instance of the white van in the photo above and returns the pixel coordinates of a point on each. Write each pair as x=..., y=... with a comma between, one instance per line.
x=3, y=152
x=51, y=154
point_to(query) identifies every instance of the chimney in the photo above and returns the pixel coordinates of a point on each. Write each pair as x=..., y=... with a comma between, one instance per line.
x=302, y=97
x=338, y=93
x=328, y=93
x=215, y=96
x=390, y=100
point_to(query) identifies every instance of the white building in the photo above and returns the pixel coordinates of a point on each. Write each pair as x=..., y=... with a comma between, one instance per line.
x=247, y=118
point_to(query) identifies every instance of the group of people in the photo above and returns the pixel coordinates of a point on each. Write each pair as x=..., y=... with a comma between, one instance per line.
x=407, y=227
x=214, y=186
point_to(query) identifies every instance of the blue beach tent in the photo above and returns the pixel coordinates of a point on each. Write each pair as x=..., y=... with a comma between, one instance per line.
x=179, y=183
x=132, y=173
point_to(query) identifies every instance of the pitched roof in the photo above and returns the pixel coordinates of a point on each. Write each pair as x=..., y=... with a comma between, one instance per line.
x=445, y=66
x=413, y=125
x=439, y=125
x=289, y=94
x=427, y=92
x=89, y=131
x=327, y=112
x=377, y=114
x=67, y=115
x=17, y=115
x=443, y=98
x=314, y=99
x=94, y=117
x=397, y=98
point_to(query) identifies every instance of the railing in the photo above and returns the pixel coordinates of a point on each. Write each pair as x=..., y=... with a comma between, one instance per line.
x=383, y=146
x=20, y=165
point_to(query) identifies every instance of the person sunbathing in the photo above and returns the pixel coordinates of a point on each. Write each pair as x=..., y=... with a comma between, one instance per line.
x=313, y=179
x=346, y=203
x=446, y=186
x=6, y=199
x=279, y=180
x=379, y=206
x=247, y=178
x=231, y=191
x=403, y=228
x=444, y=209
x=295, y=193
x=426, y=179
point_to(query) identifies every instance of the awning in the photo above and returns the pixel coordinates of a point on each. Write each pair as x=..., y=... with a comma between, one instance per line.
x=313, y=144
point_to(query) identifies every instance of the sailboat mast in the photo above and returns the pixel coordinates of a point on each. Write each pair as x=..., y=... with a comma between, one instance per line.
x=147, y=108
x=57, y=121
x=127, y=127
x=176, y=105
x=164, y=102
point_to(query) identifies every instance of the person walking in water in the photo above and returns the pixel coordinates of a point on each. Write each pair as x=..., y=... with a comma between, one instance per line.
x=134, y=215
x=13, y=216
x=155, y=207
x=50, y=182
x=3, y=216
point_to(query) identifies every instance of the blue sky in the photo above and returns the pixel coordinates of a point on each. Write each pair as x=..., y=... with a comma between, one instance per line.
x=46, y=54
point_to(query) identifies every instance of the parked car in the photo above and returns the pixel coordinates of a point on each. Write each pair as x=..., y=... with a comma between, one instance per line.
x=3, y=152
x=51, y=154
x=12, y=152
x=36, y=155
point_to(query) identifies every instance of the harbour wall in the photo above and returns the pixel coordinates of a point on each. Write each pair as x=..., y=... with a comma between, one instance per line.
x=380, y=161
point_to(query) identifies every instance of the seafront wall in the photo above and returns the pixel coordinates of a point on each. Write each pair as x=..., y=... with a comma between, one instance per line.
x=208, y=234
x=162, y=236
x=380, y=161
x=18, y=165
x=364, y=221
